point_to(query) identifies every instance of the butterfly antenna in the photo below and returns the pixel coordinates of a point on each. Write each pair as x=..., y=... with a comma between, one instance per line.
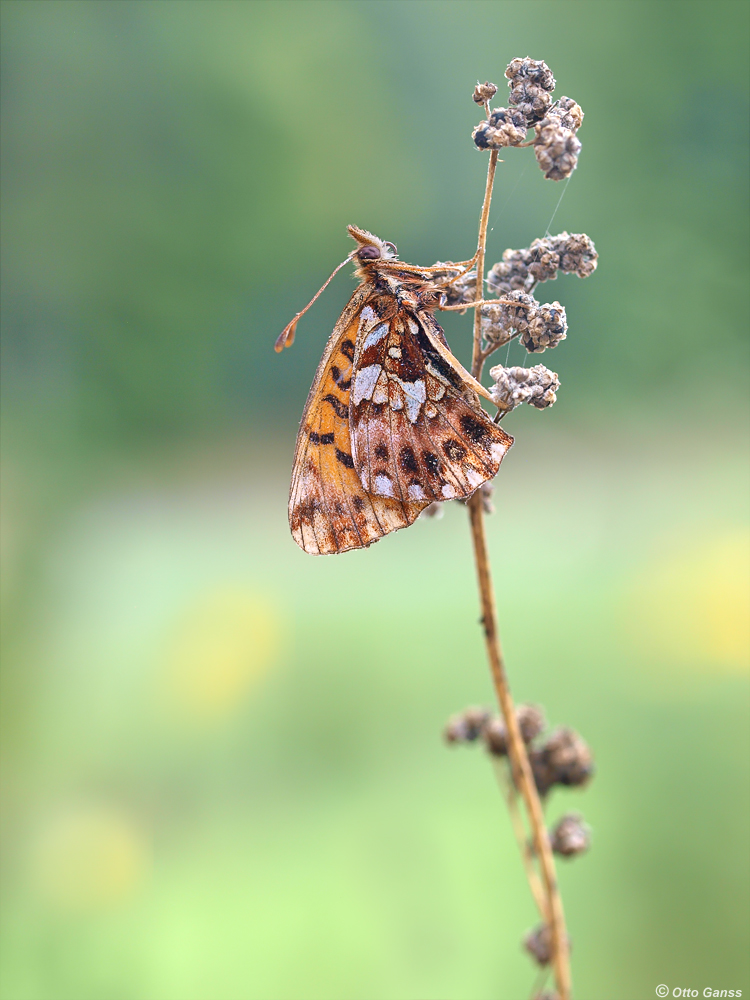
x=286, y=337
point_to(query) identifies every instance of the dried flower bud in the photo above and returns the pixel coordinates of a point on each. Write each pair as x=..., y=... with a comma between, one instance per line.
x=532, y=101
x=511, y=273
x=568, y=757
x=536, y=71
x=496, y=737
x=566, y=113
x=545, y=259
x=463, y=289
x=544, y=776
x=486, y=490
x=500, y=323
x=506, y=127
x=546, y=328
x=484, y=92
x=434, y=510
x=536, y=386
x=577, y=254
x=556, y=150
x=467, y=726
x=531, y=721
x=538, y=943
x=570, y=836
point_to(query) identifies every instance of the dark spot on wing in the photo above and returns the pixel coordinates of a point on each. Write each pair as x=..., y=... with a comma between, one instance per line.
x=454, y=450
x=341, y=382
x=474, y=428
x=358, y=503
x=342, y=410
x=347, y=349
x=431, y=461
x=345, y=458
x=321, y=438
x=408, y=460
x=381, y=452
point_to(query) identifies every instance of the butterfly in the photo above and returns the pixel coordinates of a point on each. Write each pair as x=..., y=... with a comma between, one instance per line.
x=393, y=421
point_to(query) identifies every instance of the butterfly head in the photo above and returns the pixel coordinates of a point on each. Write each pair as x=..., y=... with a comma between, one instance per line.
x=370, y=248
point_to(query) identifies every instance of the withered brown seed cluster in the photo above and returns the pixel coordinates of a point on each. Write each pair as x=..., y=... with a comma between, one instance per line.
x=562, y=758
x=538, y=943
x=536, y=386
x=522, y=270
x=530, y=105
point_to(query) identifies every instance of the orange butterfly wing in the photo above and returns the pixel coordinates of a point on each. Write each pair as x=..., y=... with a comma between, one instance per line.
x=329, y=511
x=418, y=431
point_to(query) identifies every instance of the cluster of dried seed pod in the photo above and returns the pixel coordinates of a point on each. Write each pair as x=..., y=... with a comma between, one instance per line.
x=530, y=105
x=538, y=326
x=561, y=758
x=536, y=386
x=522, y=270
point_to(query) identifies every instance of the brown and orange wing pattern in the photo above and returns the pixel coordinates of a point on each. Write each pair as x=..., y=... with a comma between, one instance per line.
x=329, y=511
x=418, y=431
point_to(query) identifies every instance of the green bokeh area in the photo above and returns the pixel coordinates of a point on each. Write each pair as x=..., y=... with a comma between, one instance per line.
x=222, y=765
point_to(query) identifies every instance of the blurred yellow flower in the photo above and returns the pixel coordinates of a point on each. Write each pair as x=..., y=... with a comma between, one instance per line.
x=89, y=857
x=693, y=607
x=218, y=649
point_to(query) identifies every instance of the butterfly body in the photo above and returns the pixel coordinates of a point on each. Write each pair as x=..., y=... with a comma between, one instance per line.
x=392, y=421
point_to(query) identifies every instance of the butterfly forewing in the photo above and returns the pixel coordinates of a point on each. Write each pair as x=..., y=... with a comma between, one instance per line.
x=418, y=432
x=329, y=511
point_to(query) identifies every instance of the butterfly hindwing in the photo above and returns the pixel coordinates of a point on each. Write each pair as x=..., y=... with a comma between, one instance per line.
x=418, y=432
x=329, y=511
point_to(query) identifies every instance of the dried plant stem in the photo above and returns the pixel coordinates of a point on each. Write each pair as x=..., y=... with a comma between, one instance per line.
x=481, y=248
x=519, y=760
x=522, y=775
x=527, y=855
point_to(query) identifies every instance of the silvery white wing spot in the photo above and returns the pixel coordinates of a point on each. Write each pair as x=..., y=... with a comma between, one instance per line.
x=393, y=420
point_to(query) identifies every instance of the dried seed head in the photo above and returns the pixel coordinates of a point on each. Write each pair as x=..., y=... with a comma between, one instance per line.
x=434, y=510
x=571, y=253
x=500, y=323
x=531, y=721
x=532, y=101
x=486, y=490
x=496, y=737
x=566, y=113
x=545, y=259
x=568, y=757
x=511, y=273
x=546, y=328
x=467, y=726
x=577, y=254
x=484, y=92
x=536, y=386
x=538, y=943
x=556, y=150
x=570, y=836
x=536, y=71
x=463, y=289
x=506, y=127
x=544, y=776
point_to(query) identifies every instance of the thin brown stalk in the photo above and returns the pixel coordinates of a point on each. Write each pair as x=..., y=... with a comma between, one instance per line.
x=527, y=855
x=520, y=767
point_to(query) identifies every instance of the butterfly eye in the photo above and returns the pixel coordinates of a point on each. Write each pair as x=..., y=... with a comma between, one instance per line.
x=369, y=253
x=393, y=247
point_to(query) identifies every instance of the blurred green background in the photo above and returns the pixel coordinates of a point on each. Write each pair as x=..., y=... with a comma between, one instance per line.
x=222, y=769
